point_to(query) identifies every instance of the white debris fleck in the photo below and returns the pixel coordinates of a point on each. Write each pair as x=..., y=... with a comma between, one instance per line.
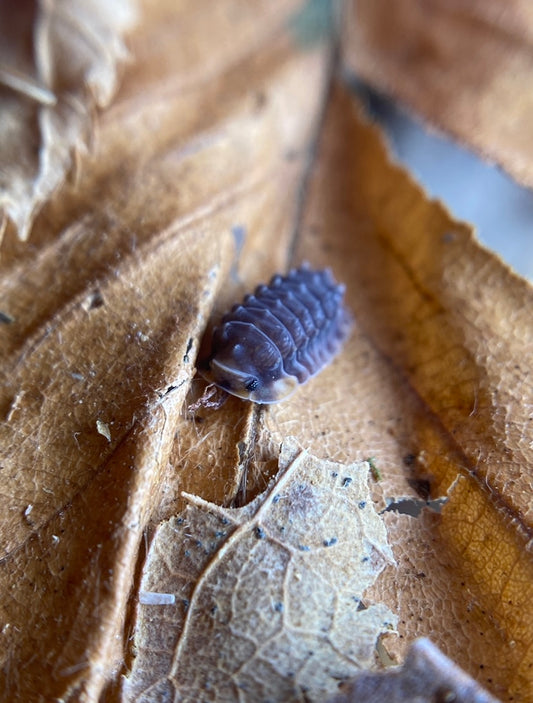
x=155, y=598
x=103, y=429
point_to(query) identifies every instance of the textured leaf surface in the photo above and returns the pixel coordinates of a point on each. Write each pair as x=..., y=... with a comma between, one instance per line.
x=267, y=596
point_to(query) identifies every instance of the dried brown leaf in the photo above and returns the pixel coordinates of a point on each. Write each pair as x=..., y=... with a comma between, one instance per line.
x=461, y=66
x=267, y=596
x=435, y=385
x=192, y=197
x=62, y=60
x=90, y=495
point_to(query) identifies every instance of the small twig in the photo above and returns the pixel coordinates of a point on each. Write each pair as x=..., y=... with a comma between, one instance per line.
x=26, y=85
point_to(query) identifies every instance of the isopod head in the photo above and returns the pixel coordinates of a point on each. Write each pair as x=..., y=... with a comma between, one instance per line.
x=247, y=364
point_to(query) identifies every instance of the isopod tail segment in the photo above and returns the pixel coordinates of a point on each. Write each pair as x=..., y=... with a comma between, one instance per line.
x=279, y=336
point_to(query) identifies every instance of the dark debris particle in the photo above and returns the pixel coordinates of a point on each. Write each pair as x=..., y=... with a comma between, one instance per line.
x=96, y=300
x=408, y=506
x=409, y=459
x=278, y=607
x=276, y=498
x=259, y=533
x=334, y=474
x=346, y=481
x=362, y=504
x=422, y=486
x=189, y=347
x=224, y=521
x=444, y=695
x=5, y=318
x=449, y=237
x=186, y=603
x=187, y=553
x=365, y=559
x=330, y=542
x=304, y=548
x=179, y=521
x=220, y=533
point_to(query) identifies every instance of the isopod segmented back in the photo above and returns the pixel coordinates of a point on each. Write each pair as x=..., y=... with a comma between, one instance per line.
x=279, y=337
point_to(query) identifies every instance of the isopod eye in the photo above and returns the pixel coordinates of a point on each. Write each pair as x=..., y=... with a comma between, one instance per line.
x=251, y=385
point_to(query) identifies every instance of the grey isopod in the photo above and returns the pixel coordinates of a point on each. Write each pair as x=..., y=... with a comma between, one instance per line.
x=279, y=337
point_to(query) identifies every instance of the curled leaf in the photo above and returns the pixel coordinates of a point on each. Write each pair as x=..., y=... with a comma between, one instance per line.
x=70, y=53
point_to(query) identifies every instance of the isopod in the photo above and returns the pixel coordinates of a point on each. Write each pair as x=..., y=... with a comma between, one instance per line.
x=279, y=337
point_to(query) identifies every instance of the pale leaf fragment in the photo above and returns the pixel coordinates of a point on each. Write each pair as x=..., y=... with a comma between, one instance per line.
x=70, y=53
x=269, y=596
x=425, y=677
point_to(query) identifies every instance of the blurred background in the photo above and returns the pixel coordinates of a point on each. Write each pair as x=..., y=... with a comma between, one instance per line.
x=472, y=189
